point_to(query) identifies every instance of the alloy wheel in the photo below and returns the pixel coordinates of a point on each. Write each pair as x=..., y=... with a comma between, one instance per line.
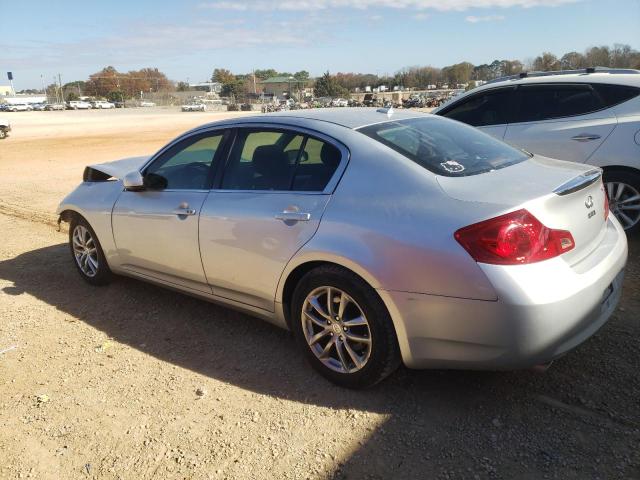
x=85, y=251
x=624, y=202
x=336, y=329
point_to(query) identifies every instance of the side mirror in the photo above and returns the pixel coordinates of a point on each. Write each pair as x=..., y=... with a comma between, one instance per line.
x=133, y=181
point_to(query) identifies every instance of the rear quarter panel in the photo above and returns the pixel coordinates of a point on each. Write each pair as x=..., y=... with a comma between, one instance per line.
x=390, y=222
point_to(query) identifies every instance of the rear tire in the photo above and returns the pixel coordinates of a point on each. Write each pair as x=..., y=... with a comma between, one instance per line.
x=344, y=328
x=623, y=189
x=87, y=253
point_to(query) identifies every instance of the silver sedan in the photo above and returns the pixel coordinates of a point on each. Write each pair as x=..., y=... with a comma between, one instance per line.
x=377, y=237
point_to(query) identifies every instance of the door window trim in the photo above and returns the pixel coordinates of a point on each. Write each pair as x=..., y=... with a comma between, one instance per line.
x=191, y=138
x=331, y=185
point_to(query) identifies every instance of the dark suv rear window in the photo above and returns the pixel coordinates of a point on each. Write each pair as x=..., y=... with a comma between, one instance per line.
x=445, y=147
x=615, y=94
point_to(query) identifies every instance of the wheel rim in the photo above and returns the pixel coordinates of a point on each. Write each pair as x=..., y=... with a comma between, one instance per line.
x=336, y=330
x=85, y=251
x=624, y=202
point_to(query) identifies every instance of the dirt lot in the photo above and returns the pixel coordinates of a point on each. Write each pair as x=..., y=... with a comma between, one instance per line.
x=132, y=381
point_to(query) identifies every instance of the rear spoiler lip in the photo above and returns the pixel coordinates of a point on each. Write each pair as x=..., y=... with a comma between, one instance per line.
x=578, y=183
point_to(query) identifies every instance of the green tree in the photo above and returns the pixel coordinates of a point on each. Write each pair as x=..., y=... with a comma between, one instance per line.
x=182, y=87
x=233, y=88
x=327, y=86
x=301, y=75
x=116, y=96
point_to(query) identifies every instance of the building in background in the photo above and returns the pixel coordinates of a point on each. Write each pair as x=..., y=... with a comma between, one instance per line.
x=212, y=87
x=279, y=86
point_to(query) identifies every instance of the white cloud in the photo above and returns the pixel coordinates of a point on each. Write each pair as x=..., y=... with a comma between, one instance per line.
x=420, y=16
x=306, y=5
x=486, y=18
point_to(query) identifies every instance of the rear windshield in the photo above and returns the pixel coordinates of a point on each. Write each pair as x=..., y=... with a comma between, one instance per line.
x=445, y=147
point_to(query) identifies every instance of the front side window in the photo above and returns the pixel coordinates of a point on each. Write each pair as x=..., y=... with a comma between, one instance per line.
x=445, y=148
x=186, y=166
x=279, y=161
x=490, y=107
x=546, y=102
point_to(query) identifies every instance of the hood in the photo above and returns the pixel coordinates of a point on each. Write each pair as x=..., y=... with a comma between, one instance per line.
x=117, y=169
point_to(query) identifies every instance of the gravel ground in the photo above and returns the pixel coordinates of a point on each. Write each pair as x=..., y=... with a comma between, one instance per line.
x=133, y=381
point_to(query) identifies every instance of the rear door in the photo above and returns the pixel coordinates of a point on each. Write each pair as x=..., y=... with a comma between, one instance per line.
x=268, y=203
x=564, y=121
x=488, y=110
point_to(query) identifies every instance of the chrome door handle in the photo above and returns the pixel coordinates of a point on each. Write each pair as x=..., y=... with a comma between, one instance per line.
x=293, y=216
x=585, y=137
x=184, y=211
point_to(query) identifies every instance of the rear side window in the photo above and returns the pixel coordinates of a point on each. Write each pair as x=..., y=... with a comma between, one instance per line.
x=279, y=160
x=445, y=148
x=615, y=94
x=491, y=107
x=545, y=102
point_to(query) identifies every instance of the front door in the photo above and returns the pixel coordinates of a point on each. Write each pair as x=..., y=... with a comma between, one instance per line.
x=156, y=229
x=268, y=204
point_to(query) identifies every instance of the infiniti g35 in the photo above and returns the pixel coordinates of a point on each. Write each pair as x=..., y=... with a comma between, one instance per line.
x=376, y=237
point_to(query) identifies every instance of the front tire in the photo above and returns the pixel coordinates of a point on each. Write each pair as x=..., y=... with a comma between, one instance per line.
x=344, y=328
x=87, y=253
x=623, y=189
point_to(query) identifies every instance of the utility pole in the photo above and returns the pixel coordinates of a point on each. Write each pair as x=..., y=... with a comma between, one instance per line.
x=61, y=90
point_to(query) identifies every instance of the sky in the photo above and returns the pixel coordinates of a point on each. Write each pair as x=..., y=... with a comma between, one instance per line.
x=188, y=39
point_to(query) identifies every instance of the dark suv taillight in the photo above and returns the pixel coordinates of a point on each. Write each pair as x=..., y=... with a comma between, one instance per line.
x=513, y=239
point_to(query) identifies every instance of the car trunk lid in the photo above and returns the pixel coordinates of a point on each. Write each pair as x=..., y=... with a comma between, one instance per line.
x=561, y=195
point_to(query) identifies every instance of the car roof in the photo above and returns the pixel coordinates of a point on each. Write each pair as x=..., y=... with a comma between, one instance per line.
x=620, y=77
x=350, y=117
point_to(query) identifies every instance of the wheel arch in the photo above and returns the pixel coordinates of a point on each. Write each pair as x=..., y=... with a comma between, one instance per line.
x=297, y=268
x=623, y=168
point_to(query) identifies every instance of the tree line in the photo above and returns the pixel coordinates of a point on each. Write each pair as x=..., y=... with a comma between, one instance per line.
x=114, y=85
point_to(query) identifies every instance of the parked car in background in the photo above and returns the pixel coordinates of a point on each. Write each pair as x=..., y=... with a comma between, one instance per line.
x=19, y=107
x=118, y=104
x=588, y=116
x=5, y=128
x=376, y=236
x=193, y=107
x=55, y=106
x=79, y=105
x=103, y=104
x=339, y=102
x=147, y=104
x=40, y=107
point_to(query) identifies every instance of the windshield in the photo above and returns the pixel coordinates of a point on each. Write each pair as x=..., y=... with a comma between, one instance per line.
x=445, y=147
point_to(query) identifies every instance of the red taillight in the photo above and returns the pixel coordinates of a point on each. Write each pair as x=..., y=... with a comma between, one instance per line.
x=606, y=205
x=513, y=239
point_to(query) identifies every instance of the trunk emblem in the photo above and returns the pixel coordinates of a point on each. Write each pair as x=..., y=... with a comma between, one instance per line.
x=589, y=202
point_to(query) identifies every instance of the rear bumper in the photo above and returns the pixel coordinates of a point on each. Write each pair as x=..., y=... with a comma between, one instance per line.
x=543, y=311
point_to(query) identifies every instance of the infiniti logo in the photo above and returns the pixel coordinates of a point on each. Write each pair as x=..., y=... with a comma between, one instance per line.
x=589, y=202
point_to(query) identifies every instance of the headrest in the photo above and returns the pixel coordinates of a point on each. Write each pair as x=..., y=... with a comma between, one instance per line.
x=330, y=156
x=269, y=160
